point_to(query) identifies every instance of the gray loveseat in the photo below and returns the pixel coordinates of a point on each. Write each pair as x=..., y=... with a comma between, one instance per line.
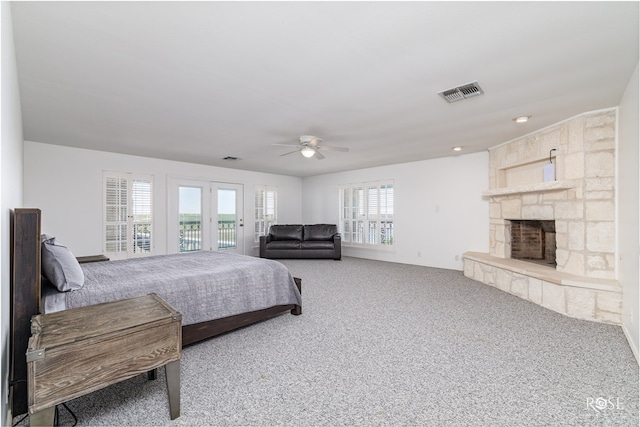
x=301, y=241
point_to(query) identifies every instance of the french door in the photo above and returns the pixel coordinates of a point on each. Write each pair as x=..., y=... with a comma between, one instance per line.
x=205, y=215
x=227, y=208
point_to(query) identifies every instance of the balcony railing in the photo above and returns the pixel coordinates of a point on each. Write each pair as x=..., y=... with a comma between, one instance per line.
x=142, y=233
x=368, y=232
x=190, y=235
x=227, y=234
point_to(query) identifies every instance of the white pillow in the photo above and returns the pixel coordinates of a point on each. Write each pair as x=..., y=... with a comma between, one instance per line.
x=60, y=266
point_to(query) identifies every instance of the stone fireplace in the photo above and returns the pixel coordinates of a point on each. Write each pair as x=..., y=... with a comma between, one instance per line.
x=579, y=206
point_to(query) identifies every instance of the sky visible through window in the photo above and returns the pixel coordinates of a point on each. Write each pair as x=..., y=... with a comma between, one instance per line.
x=191, y=201
x=226, y=201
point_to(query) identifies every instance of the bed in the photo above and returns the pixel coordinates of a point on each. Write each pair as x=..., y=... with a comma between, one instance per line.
x=238, y=291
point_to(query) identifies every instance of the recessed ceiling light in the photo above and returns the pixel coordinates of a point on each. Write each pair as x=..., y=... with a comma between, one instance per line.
x=521, y=119
x=458, y=148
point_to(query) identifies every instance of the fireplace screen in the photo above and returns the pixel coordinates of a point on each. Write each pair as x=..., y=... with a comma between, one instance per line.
x=534, y=240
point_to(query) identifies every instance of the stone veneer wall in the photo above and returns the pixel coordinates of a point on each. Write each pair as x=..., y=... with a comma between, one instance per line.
x=581, y=201
x=583, y=205
x=598, y=300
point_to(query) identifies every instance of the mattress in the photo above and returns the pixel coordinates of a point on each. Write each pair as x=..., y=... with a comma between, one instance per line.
x=202, y=286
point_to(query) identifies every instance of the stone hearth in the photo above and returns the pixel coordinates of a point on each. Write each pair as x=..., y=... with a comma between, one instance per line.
x=581, y=201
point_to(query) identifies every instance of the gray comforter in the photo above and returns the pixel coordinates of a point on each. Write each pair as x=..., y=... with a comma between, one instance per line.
x=201, y=285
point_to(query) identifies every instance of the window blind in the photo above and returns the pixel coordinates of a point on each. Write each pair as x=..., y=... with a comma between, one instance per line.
x=128, y=214
x=265, y=208
x=366, y=213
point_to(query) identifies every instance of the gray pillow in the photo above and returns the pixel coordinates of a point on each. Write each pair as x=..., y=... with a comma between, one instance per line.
x=60, y=266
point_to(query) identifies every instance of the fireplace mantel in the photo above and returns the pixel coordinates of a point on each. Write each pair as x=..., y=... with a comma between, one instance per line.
x=540, y=187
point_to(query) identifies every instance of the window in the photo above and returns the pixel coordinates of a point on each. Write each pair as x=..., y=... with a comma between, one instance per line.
x=366, y=213
x=128, y=214
x=266, y=210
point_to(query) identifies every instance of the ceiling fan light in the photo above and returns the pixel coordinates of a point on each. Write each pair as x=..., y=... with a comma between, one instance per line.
x=308, y=152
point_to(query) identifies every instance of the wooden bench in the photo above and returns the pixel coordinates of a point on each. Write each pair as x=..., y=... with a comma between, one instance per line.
x=78, y=351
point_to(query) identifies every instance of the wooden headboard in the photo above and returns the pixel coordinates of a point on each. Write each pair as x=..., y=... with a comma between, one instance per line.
x=25, y=298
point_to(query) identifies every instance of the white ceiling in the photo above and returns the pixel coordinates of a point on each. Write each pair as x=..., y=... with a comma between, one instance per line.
x=198, y=81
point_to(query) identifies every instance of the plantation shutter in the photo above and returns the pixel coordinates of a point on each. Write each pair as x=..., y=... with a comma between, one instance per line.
x=372, y=215
x=128, y=214
x=266, y=209
x=366, y=213
x=386, y=214
x=345, y=214
x=141, y=215
x=115, y=215
x=258, y=220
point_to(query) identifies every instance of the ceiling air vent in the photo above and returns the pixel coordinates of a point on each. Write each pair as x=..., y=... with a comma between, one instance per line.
x=462, y=92
x=232, y=158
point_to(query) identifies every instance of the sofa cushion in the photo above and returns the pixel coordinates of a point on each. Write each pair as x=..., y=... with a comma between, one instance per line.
x=317, y=244
x=285, y=232
x=284, y=244
x=320, y=232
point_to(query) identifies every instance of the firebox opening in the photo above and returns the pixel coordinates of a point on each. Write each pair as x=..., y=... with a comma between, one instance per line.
x=534, y=240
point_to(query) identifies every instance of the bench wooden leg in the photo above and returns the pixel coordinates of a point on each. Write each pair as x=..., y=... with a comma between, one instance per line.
x=152, y=374
x=42, y=418
x=172, y=370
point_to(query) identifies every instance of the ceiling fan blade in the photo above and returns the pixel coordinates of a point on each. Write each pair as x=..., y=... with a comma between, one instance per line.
x=290, y=152
x=286, y=145
x=324, y=147
x=318, y=155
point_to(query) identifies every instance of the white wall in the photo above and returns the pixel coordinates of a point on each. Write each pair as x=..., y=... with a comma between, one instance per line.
x=439, y=211
x=10, y=180
x=629, y=210
x=66, y=183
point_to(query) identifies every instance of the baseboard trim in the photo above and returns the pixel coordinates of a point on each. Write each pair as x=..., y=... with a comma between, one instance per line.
x=634, y=349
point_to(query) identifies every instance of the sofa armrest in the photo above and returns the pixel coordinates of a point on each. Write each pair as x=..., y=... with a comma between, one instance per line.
x=263, y=245
x=337, y=243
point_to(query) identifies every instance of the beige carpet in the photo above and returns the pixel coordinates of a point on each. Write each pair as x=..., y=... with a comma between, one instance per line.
x=391, y=344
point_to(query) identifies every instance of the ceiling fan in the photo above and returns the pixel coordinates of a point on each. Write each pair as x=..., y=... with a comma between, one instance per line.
x=310, y=146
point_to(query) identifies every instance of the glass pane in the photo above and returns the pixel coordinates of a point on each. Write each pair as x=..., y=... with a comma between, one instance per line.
x=372, y=235
x=387, y=232
x=227, y=219
x=190, y=219
x=142, y=240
